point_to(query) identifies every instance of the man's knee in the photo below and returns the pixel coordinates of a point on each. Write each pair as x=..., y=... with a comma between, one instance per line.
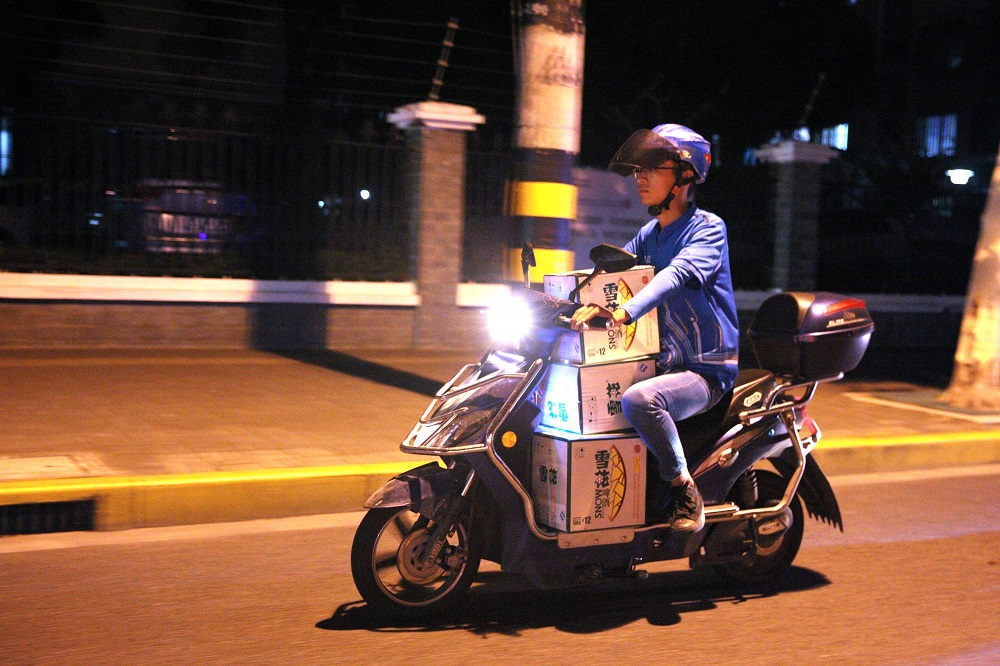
x=636, y=399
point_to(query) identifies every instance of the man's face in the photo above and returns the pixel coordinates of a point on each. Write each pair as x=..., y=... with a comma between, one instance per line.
x=655, y=184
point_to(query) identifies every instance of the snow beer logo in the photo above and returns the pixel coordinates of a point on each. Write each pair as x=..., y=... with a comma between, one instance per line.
x=617, y=294
x=610, y=482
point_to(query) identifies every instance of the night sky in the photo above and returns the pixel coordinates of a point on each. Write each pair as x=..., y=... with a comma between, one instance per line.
x=740, y=70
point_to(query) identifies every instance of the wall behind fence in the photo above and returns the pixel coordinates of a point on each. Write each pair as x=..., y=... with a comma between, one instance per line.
x=913, y=333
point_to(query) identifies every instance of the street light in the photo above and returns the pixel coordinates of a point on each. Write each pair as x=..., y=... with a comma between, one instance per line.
x=959, y=176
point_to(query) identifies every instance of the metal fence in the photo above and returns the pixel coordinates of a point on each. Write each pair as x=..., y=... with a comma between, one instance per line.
x=147, y=200
x=485, y=221
x=739, y=194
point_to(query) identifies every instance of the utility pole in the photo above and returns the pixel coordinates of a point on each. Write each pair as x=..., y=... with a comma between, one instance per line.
x=542, y=197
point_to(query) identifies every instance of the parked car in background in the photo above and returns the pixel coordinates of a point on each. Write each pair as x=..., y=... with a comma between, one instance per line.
x=191, y=216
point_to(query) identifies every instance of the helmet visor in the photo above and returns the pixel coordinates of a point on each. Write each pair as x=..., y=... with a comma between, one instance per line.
x=645, y=149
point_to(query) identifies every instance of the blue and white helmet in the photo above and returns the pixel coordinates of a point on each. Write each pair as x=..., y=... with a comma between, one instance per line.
x=648, y=149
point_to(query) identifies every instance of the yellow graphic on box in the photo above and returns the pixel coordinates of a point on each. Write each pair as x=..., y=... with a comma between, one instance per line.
x=624, y=296
x=618, y=482
x=610, y=483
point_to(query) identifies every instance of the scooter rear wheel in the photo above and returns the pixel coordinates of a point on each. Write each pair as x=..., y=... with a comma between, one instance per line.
x=760, y=567
x=385, y=563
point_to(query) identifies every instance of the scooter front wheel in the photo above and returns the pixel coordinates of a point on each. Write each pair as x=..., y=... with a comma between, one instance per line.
x=387, y=568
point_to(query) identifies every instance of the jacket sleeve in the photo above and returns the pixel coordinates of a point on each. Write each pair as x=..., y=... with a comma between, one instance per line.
x=695, y=264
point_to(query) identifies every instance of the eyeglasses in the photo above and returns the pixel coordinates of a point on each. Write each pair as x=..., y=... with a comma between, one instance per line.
x=636, y=172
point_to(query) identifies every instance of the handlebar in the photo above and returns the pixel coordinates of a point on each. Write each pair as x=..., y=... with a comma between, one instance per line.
x=595, y=322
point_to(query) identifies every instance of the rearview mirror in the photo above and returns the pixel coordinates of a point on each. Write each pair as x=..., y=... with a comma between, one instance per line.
x=607, y=259
x=611, y=259
x=527, y=260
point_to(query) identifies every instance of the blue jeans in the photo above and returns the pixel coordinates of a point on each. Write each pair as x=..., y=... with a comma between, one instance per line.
x=652, y=406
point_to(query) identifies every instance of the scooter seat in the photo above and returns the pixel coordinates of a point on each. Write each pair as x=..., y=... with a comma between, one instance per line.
x=705, y=429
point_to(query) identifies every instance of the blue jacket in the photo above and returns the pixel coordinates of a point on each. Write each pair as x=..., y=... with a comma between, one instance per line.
x=692, y=291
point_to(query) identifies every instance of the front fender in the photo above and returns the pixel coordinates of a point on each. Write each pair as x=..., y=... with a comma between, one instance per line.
x=422, y=489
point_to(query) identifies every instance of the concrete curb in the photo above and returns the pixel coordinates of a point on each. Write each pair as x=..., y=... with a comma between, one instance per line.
x=186, y=499
x=861, y=455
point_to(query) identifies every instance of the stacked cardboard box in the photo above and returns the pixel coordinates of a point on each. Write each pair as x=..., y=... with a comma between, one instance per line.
x=588, y=467
x=588, y=482
x=587, y=399
x=600, y=345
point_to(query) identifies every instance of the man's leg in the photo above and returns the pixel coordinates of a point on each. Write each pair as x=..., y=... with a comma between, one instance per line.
x=652, y=406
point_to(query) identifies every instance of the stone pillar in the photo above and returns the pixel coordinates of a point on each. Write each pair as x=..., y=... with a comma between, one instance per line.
x=435, y=205
x=797, y=173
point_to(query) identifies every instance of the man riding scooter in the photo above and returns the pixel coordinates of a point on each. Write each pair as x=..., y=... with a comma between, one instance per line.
x=419, y=546
x=692, y=292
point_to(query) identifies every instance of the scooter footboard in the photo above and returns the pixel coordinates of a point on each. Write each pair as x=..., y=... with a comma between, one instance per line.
x=421, y=489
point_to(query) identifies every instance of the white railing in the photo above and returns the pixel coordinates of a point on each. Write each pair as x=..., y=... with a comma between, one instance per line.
x=39, y=286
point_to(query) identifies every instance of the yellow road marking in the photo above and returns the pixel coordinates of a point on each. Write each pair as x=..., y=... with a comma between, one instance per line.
x=146, y=360
x=902, y=440
x=94, y=484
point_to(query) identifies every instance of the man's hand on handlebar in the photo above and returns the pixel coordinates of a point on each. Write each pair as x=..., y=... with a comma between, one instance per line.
x=580, y=318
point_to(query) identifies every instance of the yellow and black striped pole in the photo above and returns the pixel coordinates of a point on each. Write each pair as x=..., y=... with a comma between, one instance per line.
x=541, y=196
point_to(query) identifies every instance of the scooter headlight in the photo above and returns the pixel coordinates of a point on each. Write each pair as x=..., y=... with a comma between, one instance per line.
x=509, y=320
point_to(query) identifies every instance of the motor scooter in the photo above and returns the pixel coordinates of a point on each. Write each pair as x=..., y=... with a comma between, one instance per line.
x=419, y=546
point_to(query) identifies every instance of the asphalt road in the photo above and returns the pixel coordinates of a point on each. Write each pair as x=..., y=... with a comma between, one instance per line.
x=913, y=580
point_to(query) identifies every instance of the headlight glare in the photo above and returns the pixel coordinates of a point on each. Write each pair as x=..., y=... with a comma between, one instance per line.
x=509, y=320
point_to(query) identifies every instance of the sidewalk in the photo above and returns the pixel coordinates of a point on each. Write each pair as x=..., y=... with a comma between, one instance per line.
x=158, y=437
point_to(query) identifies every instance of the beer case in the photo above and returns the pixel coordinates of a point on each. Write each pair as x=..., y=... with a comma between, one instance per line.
x=600, y=345
x=587, y=399
x=582, y=482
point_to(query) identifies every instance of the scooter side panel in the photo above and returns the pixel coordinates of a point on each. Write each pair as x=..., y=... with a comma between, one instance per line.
x=755, y=443
x=543, y=562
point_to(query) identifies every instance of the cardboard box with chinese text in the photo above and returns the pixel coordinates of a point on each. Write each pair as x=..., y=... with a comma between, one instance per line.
x=600, y=345
x=591, y=482
x=587, y=399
